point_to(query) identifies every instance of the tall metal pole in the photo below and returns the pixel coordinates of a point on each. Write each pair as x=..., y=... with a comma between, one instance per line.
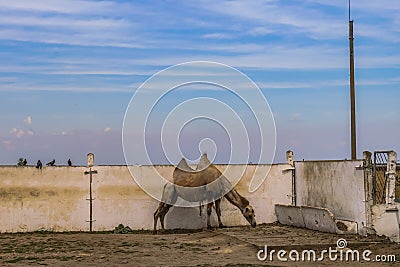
x=352, y=92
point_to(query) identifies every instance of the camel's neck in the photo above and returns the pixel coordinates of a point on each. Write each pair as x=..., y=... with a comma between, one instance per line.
x=236, y=199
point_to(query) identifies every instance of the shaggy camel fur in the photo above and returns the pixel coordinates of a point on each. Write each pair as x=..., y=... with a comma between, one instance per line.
x=206, y=183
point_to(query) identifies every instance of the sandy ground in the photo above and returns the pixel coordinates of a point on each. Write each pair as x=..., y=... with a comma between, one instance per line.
x=237, y=246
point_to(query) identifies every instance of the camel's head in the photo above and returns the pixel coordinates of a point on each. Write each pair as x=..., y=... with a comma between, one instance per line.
x=248, y=213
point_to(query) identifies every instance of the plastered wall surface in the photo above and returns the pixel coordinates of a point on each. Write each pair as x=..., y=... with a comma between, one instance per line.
x=336, y=185
x=55, y=198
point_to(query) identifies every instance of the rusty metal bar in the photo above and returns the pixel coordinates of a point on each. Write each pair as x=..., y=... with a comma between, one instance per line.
x=90, y=172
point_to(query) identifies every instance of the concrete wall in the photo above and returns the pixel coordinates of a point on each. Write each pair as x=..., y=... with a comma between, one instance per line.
x=387, y=221
x=51, y=199
x=55, y=198
x=336, y=185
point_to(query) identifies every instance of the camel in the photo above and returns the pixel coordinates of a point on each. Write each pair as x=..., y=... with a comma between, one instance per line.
x=201, y=185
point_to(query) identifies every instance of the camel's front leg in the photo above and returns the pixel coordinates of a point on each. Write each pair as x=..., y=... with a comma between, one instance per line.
x=168, y=196
x=218, y=211
x=157, y=214
x=209, y=210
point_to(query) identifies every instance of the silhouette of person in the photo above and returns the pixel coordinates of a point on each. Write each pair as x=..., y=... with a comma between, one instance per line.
x=69, y=162
x=51, y=163
x=25, y=162
x=39, y=165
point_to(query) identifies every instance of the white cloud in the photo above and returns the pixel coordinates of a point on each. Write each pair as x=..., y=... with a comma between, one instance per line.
x=285, y=85
x=17, y=132
x=84, y=38
x=28, y=120
x=8, y=145
x=63, y=22
x=290, y=19
x=106, y=130
x=62, y=6
x=85, y=23
x=217, y=35
x=295, y=117
x=5, y=79
x=260, y=31
x=41, y=23
x=30, y=132
x=64, y=88
x=20, y=133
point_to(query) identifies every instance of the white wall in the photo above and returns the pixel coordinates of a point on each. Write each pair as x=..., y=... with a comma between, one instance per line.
x=56, y=199
x=387, y=221
x=336, y=185
x=51, y=199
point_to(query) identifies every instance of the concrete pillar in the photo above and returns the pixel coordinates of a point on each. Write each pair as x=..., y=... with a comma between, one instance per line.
x=289, y=158
x=290, y=161
x=391, y=178
x=368, y=188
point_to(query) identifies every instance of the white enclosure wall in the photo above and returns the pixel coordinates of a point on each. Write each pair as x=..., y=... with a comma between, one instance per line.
x=55, y=198
x=336, y=185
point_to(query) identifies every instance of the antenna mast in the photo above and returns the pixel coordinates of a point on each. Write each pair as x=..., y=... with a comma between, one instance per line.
x=349, y=10
x=352, y=91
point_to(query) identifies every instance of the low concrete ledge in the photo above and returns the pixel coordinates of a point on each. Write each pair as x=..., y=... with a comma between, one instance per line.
x=314, y=218
x=387, y=221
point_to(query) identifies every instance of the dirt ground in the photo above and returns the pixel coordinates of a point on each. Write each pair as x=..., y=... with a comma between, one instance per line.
x=237, y=246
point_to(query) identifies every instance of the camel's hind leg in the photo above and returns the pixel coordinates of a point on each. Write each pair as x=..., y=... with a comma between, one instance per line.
x=200, y=207
x=209, y=210
x=218, y=211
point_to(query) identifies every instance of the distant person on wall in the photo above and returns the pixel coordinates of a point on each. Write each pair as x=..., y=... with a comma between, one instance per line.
x=25, y=162
x=39, y=165
x=51, y=163
x=69, y=162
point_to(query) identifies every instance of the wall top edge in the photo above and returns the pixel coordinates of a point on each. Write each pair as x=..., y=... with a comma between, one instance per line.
x=161, y=165
x=331, y=160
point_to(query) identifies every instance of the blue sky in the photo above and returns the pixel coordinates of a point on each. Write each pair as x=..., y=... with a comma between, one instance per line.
x=69, y=69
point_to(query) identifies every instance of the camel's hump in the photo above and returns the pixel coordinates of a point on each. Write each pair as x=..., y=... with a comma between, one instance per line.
x=204, y=162
x=183, y=165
